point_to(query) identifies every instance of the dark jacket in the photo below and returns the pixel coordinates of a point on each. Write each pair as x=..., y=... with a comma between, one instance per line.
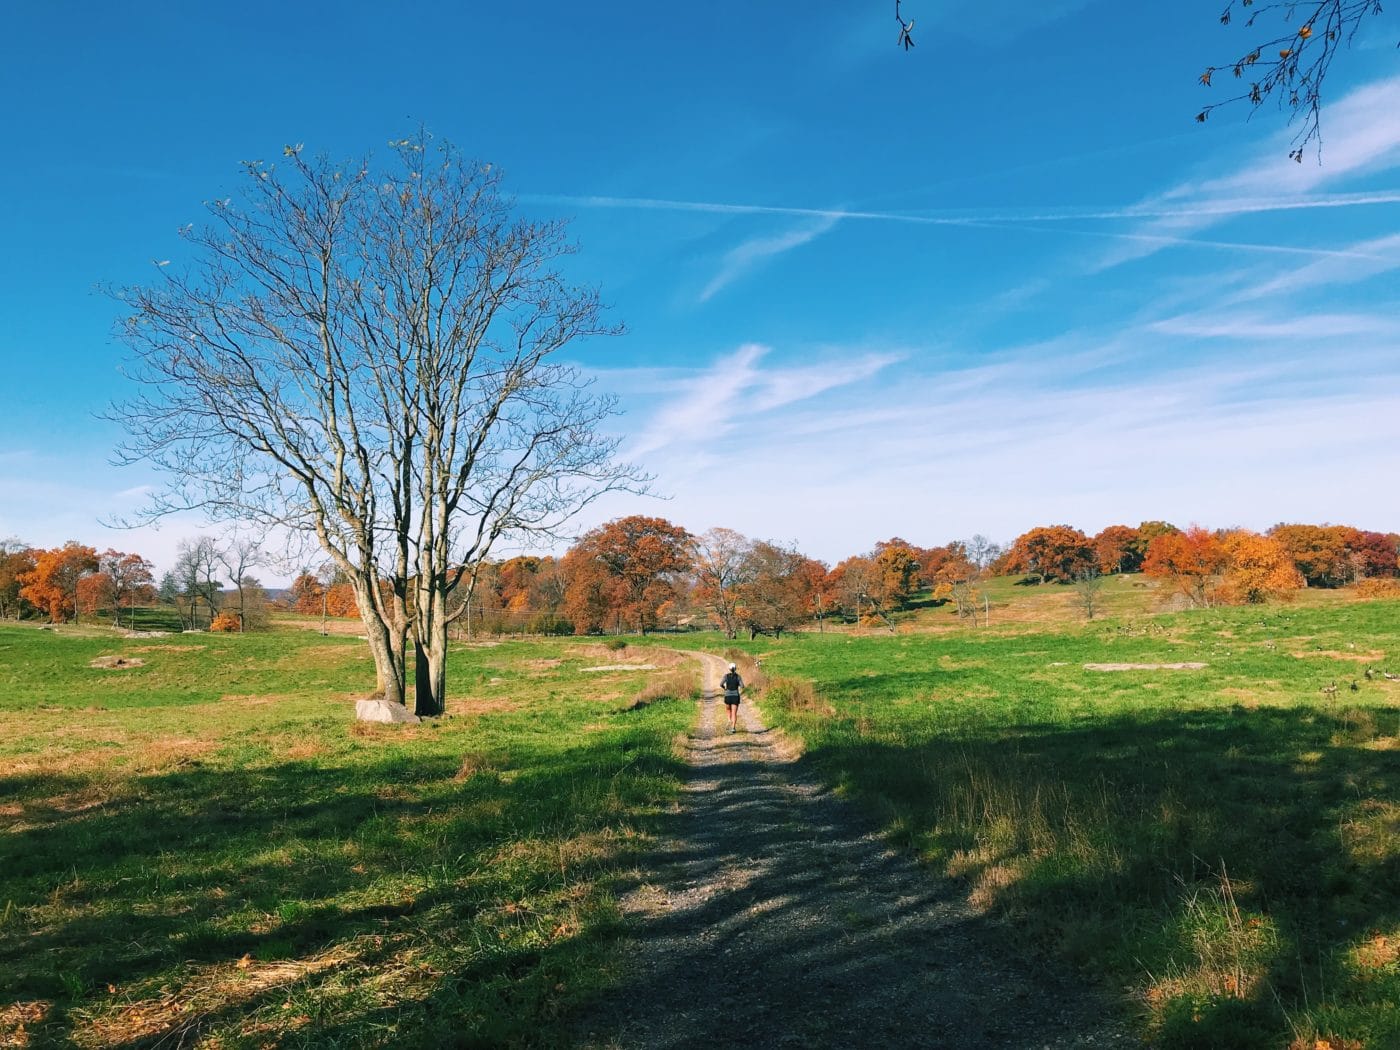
x=731, y=683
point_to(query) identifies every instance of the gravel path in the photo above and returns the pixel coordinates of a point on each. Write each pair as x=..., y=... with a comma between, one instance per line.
x=775, y=916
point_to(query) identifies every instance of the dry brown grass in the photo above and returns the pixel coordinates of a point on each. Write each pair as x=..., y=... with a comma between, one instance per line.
x=17, y=1020
x=1352, y=656
x=477, y=705
x=679, y=684
x=473, y=763
x=177, y=1018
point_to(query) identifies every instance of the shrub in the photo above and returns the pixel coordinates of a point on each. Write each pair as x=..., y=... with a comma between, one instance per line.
x=797, y=695
x=1378, y=587
x=226, y=622
x=615, y=644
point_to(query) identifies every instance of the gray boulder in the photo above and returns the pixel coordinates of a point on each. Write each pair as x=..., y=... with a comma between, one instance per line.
x=380, y=710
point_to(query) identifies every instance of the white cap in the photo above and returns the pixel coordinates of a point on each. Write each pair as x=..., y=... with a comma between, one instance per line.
x=733, y=667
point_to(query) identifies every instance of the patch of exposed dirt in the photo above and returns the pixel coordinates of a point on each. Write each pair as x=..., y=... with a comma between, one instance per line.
x=1187, y=666
x=478, y=706
x=1374, y=656
x=116, y=663
x=167, y=648
x=620, y=667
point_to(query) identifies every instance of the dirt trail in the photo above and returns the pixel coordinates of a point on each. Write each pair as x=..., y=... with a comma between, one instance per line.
x=775, y=916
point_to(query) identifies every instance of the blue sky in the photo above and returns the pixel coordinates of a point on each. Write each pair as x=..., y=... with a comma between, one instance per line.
x=998, y=281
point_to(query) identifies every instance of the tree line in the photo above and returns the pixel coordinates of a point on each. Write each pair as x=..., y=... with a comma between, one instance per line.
x=639, y=574
x=75, y=580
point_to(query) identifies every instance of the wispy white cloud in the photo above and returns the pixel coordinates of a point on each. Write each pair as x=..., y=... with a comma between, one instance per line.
x=1268, y=433
x=1170, y=226
x=757, y=250
x=1370, y=258
x=739, y=390
x=1362, y=137
x=1161, y=207
x=1265, y=327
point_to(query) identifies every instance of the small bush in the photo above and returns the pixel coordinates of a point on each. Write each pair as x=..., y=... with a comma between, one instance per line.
x=1378, y=587
x=797, y=695
x=615, y=644
x=226, y=622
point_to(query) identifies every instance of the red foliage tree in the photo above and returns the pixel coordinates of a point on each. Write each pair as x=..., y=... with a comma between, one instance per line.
x=1376, y=553
x=1118, y=549
x=773, y=594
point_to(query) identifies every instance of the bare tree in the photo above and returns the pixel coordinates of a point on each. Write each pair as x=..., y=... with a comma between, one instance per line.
x=196, y=562
x=369, y=354
x=982, y=551
x=720, y=557
x=1291, y=66
x=238, y=553
x=1088, y=583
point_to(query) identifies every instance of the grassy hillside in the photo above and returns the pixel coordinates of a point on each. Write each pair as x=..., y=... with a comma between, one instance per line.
x=1223, y=843
x=203, y=846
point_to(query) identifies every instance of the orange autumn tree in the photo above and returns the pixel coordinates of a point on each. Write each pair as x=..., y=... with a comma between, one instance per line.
x=1259, y=569
x=621, y=573
x=1053, y=553
x=1322, y=553
x=52, y=585
x=1192, y=562
x=16, y=559
x=897, y=572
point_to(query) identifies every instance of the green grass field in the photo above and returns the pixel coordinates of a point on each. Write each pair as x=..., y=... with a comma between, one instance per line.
x=1222, y=845
x=203, y=848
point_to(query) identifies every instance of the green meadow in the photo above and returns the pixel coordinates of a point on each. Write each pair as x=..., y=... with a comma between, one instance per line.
x=1221, y=845
x=203, y=848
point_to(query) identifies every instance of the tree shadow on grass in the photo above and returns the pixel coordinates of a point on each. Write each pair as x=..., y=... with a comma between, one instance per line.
x=201, y=899
x=1109, y=843
x=1237, y=861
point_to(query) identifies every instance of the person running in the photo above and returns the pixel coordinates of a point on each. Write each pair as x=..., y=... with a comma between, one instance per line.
x=732, y=684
